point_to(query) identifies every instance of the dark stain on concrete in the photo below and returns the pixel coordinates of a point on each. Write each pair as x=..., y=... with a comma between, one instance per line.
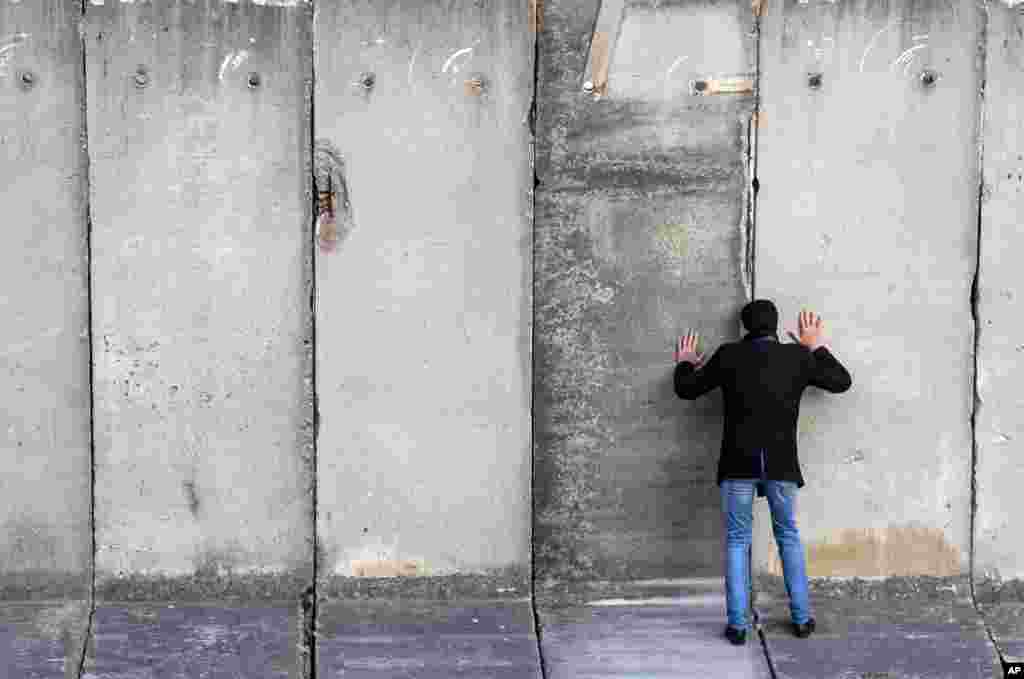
x=41, y=584
x=204, y=585
x=512, y=582
x=629, y=193
x=189, y=488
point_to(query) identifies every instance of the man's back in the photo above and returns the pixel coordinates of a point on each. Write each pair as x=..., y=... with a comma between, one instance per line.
x=762, y=381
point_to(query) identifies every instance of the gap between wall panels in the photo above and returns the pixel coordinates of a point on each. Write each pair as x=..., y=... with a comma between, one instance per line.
x=87, y=199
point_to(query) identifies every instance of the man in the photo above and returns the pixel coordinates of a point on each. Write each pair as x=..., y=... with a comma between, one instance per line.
x=762, y=381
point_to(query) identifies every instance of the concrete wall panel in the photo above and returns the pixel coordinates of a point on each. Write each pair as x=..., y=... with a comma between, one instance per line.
x=998, y=552
x=867, y=214
x=202, y=208
x=45, y=532
x=640, y=235
x=423, y=280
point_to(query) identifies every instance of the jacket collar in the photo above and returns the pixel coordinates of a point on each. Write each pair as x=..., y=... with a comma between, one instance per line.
x=769, y=335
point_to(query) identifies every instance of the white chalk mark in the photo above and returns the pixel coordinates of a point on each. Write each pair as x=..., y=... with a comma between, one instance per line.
x=920, y=37
x=907, y=56
x=9, y=44
x=871, y=43
x=668, y=73
x=13, y=41
x=223, y=65
x=413, y=61
x=453, y=57
x=232, y=60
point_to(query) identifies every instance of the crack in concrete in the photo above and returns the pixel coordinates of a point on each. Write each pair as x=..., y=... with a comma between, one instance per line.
x=84, y=150
x=534, y=105
x=310, y=614
x=982, y=68
x=755, y=185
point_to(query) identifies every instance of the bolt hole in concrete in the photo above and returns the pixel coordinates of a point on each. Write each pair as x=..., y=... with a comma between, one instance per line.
x=814, y=81
x=929, y=77
x=367, y=80
x=254, y=80
x=700, y=86
x=141, y=77
x=27, y=80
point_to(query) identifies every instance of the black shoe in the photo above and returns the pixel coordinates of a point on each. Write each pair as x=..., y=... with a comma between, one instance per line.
x=803, y=631
x=737, y=636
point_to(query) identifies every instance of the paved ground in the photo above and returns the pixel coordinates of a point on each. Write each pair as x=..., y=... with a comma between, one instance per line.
x=671, y=629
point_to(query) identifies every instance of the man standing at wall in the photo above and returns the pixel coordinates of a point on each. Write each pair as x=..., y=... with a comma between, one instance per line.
x=762, y=381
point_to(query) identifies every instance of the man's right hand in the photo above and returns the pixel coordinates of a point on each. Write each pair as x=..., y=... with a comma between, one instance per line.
x=812, y=331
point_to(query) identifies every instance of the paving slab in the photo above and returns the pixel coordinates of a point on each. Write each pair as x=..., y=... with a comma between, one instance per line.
x=659, y=638
x=880, y=633
x=645, y=629
x=215, y=640
x=42, y=639
x=427, y=639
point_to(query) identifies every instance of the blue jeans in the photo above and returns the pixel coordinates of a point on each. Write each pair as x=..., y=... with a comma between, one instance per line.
x=737, y=508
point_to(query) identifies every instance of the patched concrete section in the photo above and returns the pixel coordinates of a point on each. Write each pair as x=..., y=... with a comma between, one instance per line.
x=43, y=640
x=894, y=550
x=999, y=424
x=45, y=532
x=423, y=288
x=201, y=207
x=640, y=235
x=898, y=628
x=212, y=640
x=867, y=215
x=427, y=639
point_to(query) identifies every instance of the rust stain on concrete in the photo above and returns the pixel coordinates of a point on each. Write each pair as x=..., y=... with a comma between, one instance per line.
x=387, y=568
x=536, y=20
x=599, y=47
x=724, y=86
x=895, y=550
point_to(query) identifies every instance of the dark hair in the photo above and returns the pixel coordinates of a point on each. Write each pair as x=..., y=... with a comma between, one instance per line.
x=760, y=314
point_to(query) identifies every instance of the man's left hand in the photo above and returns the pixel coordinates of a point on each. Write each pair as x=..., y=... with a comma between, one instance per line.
x=686, y=350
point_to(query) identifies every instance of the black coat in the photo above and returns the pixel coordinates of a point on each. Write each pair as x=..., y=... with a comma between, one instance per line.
x=762, y=381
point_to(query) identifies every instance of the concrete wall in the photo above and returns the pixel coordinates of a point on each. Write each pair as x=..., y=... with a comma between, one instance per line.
x=867, y=213
x=45, y=479
x=205, y=138
x=999, y=422
x=640, y=234
x=423, y=288
x=201, y=203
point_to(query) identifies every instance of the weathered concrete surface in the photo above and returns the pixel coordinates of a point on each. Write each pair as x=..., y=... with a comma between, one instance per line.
x=201, y=208
x=42, y=640
x=999, y=426
x=423, y=289
x=655, y=630
x=427, y=639
x=45, y=532
x=867, y=215
x=897, y=628
x=640, y=235
x=214, y=641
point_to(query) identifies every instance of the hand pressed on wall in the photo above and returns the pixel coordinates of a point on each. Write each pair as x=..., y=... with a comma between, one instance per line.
x=686, y=350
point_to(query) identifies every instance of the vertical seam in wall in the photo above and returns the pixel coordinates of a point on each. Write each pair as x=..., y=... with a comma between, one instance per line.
x=537, y=27
x=752, y=150
x=311, y=638
x=982, y=62
x=88, y=293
